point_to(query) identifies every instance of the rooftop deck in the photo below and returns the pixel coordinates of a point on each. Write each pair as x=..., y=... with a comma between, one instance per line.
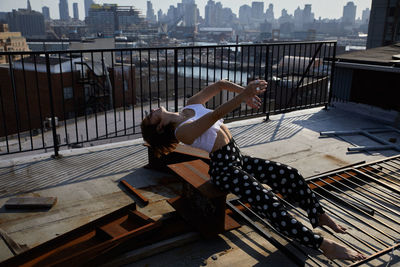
x=85, y=181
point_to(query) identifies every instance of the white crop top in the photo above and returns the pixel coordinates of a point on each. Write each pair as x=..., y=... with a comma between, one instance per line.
x=207, y=139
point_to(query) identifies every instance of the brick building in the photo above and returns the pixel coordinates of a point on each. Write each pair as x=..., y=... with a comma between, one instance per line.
x=77, y=90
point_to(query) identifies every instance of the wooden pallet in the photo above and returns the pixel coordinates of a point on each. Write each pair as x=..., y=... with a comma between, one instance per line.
x=85, y=243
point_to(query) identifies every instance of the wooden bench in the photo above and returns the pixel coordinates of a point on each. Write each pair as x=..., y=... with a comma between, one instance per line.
x=201, y=203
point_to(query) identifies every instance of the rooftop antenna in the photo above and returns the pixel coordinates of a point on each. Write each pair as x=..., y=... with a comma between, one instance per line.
x=29, y=7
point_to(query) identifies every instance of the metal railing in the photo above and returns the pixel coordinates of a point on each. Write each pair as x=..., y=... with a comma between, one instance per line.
x=50, y=100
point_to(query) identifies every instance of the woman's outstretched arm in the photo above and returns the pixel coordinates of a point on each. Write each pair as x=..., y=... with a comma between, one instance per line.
x=188, y=132
x=210, y=91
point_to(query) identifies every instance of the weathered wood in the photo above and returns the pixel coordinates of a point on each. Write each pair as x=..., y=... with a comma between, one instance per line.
x=196, y=174
x=170, y=225
x=180, y=154
x=88, y=241
x=135, y=192
x=201, y=204
x=188, y=150
x=192, y=151
x=14, y=247
x=30, y=202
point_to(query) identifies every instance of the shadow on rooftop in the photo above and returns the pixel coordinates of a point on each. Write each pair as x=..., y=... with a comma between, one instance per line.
x=268, y=131
x=49, y=173
x=341, y=120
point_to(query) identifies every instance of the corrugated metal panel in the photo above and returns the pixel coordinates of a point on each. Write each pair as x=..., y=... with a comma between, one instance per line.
x=341, y=86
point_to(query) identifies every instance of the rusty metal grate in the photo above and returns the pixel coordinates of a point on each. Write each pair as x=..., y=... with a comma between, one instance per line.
x=365, y=198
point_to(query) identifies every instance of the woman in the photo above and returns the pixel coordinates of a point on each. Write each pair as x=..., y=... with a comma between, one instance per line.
x=243, y=175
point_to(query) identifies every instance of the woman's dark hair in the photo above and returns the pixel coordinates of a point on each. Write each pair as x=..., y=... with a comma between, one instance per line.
x=162, y=142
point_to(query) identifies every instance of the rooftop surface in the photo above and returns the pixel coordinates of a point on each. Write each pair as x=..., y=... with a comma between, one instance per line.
x=86, y=183
x=380, y=55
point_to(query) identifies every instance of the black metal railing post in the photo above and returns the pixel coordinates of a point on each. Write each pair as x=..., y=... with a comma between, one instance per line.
x=15, y=100
x=176, y=78
x=332, y=76
x=2, y=110
x=53, y=120
x=269, y=86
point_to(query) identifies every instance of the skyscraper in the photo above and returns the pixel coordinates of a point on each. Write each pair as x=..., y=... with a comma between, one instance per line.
x=349, y=13
x=88, y=4
x=244, y=14
x=209, y=13
x=160, y=15
x=189, y=13
x=46, y=12
x=76, y=10
x=365, y=15
x=227, y=17
x=269, y=14
x=308, y=16
x=30, y=23
x=64, y=11
x=150, y=16
x=172, y=14
x=257, y=10
x=298, y=18
x=285, y=17
x=219, y=17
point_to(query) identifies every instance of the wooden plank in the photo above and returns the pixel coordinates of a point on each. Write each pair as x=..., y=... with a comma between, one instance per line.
x=230, y=223
x=114, y=229
x=170, y=225
x=135, y=192
x=191, y=151
x=5, y=251
x=30, y=203
x=14, y=247
x=188, y=150
x=196, y=174
x=182, y=153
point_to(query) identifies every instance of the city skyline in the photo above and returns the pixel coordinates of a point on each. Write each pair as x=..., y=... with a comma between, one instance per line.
x=323, y=9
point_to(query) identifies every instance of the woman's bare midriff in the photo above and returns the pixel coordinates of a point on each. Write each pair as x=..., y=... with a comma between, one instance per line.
x=223, y=138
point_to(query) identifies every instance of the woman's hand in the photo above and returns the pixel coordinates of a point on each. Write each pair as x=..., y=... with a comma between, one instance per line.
x=253, y=89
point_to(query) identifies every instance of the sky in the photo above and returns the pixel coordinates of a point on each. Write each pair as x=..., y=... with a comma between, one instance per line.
x=332, y=9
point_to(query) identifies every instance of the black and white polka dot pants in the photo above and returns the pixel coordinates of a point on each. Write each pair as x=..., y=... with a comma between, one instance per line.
x=244, y=175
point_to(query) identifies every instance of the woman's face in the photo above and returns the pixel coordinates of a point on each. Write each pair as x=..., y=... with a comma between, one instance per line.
x=155, y=115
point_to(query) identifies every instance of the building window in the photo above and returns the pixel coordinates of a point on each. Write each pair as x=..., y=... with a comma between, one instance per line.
x=68, y=93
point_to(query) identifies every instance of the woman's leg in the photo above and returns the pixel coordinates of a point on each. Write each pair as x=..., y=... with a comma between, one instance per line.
x=265, y=203
x=291, y=185
x=286, y=181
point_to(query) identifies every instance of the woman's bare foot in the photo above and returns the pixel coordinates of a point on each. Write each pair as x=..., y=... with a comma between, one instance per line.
x=324, y=219
x=333, y=250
